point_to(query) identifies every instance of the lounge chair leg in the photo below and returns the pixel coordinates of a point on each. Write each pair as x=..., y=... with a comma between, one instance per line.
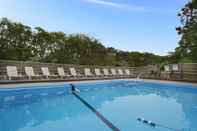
x=29, y=77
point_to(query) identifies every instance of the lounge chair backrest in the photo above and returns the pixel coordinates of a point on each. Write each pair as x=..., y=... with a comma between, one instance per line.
x=73, y=71
x=12, y=71
x=29, y=71
x=87, y=72
x=106, y=72
x=120, y=72
x=60, y=71
x=167, y=68
x=127, y=71
x=113, y=71
x=45, y=71
x=97, y=72
x=175, y=67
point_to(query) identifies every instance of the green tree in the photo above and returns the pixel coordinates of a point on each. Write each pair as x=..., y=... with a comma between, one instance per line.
x=20, y=42
x=41, y=41
x=187, y=50
x=15, y=41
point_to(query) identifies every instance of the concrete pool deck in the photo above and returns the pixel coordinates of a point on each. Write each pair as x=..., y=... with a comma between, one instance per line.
x=91, y=81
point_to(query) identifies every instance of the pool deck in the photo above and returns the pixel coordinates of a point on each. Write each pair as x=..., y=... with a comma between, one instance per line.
x=17, y=85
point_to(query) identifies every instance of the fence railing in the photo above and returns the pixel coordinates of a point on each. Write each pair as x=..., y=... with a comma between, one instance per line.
x=181, y=71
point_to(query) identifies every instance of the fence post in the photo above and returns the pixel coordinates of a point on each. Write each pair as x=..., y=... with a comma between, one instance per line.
x=181, y=70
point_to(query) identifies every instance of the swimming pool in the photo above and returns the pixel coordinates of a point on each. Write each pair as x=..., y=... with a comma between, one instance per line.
x=119, y=103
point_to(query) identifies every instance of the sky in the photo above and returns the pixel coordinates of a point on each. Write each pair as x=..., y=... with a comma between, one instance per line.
x=129, y=25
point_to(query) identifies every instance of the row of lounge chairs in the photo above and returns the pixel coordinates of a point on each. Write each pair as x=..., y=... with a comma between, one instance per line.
x=12, y=73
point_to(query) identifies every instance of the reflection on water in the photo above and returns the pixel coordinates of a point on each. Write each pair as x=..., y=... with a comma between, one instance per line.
x=166, y=104
x=48, y=113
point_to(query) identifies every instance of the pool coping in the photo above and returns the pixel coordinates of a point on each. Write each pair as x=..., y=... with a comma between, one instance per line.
x=19, y=85
x=171, y=82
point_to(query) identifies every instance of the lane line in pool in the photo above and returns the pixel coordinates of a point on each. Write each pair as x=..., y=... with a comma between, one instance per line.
x=153, y=124
x=98, y=114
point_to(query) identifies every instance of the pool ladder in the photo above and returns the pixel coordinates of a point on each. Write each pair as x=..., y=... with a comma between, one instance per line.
x=138, y=79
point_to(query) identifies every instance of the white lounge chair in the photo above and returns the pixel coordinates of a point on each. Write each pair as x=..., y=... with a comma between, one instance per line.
x=106, y=72
x=127, y=71
x=30, y=72
x=74, y=73
x=12, y=72
x=120, y=72
x=167, y=68
x=61, y=72
x=175, y=67
x=113, y=71
x=46, y=73
x=87, y=72
x=98, y=72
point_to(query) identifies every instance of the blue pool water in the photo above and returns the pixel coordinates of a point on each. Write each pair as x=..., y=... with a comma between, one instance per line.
x=54, y=108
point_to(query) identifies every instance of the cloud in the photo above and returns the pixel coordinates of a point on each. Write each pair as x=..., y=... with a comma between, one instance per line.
x=116, y=5
x=129, y=7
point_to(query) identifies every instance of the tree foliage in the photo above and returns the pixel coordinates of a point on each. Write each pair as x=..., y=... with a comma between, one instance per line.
x=20, y=42
x=187, y=50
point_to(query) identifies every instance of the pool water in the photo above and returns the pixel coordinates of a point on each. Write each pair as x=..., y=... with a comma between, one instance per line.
x=53, y=108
